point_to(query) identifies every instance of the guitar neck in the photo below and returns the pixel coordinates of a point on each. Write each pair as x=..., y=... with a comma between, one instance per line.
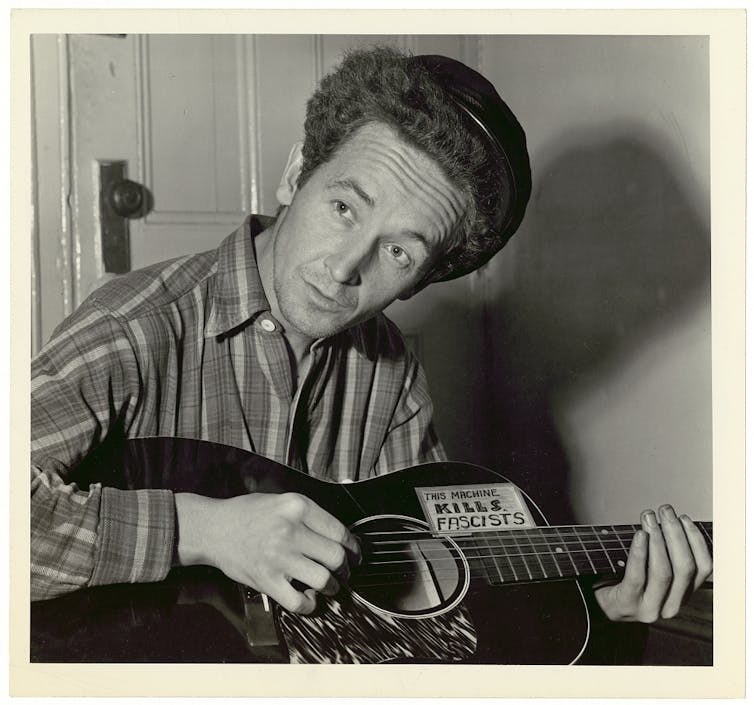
x=554, y=552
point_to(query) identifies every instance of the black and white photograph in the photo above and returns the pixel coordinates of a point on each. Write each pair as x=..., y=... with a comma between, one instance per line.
x=379, y=346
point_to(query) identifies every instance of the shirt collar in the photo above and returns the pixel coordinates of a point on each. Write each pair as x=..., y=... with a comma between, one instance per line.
x=238, y=294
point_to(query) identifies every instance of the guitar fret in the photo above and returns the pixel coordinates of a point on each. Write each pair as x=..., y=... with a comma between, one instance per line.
x=537, y=552
x=562, y=550
x=586, y=550
x=553, y=553
x=612, y=545
x=624, y=551
x=493, y=559
x=520, y=554
x=515, y=556
x=485, y=552
x=508, y=558
x=597, y=545
x=604, y=550
x=579, y=556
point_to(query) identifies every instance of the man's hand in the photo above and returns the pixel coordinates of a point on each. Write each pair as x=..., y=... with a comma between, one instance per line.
x=666, y=562
x=265, y=541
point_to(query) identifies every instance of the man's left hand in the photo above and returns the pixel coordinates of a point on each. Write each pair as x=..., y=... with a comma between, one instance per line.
x=667, y=561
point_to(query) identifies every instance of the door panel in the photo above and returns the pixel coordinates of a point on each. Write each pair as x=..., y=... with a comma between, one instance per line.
x=286, y=71
x=195, y=117
x=196, y=125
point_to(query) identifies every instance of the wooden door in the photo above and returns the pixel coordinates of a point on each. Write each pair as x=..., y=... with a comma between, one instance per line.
x=205, y=123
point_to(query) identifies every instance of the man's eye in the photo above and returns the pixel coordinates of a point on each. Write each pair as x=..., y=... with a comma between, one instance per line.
x=399, y=255
x=341, y=208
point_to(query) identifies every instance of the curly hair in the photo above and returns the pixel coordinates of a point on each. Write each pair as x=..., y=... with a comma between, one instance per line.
x=384, y=85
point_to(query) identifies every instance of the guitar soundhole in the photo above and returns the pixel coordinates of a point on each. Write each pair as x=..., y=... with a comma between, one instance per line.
x=405, y=570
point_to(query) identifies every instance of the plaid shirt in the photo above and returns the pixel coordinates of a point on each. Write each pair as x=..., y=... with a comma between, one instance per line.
x=189, y=348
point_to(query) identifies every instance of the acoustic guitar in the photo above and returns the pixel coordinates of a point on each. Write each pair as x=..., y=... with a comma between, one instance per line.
x=459, y=565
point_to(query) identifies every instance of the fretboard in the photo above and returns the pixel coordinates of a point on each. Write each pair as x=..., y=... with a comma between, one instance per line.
x=554, y=552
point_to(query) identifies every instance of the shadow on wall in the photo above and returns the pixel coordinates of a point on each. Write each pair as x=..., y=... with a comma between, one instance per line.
x=612, y=252
x=458, y=381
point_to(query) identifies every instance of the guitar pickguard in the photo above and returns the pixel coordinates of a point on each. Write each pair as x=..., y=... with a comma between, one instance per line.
x=347, y=632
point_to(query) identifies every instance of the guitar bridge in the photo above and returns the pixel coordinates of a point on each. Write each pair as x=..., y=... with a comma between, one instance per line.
x=259, y=620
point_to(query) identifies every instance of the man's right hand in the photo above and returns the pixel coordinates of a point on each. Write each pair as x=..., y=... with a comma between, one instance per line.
x=265, y=541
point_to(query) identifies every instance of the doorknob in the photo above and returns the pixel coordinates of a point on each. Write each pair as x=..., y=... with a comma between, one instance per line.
x=127, y=198
x=120, y=200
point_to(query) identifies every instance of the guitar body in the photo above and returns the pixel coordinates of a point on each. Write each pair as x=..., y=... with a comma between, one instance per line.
x=433, y=613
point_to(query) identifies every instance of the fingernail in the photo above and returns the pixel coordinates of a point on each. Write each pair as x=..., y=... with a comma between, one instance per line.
x=640, y=538
x=667, y=511
x=649, y=518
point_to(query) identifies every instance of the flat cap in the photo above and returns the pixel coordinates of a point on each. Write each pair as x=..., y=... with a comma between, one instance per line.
x=489, y=116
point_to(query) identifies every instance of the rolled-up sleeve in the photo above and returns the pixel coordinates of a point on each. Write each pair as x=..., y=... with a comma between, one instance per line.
x=85, y=383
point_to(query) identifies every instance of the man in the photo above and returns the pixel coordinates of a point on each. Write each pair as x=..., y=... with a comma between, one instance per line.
x=412, y=171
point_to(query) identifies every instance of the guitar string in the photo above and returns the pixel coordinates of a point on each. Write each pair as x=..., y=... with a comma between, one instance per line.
x=509, y=550
x=474, y=577
x=500, y=543
x=476, y=572
x=541, y=548
x=513, y=535
x=592, y=545
x=441, y=553
x=506, y=576
x=543, y=530
x=580, y=566
x=510, y=547
x=482, y=556
x=477, y=568
x=508, y=541
x=600, y=555
x=598, y=543
x=477, y=575
x=503, y=530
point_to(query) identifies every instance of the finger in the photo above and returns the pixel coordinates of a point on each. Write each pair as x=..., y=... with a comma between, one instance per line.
x=325, y=524
x=303, y=602
x=635, y=577
x=659, y=573
x=622, y=601
x=324, y=551
x=314, y=575
x=682, y=564
x=699, y=549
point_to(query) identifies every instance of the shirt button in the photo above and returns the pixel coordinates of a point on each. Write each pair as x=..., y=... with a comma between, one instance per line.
x=268, y=325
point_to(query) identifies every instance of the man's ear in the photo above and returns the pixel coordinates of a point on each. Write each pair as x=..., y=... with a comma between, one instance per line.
x=287, y=187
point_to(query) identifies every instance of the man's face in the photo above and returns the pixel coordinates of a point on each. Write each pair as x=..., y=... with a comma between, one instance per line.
x=364, y=230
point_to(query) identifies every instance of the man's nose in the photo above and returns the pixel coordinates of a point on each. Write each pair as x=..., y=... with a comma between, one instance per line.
x=347, y=264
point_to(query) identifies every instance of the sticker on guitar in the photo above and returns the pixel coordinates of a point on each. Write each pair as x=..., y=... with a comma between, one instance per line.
x=465, y=508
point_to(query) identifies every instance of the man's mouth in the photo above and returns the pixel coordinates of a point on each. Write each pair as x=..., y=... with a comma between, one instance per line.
x=324, y=300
